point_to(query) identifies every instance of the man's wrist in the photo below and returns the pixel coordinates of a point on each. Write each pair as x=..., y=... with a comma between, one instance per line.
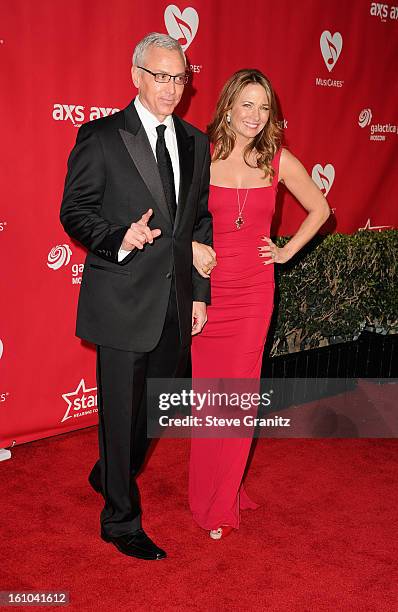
x=122, y=253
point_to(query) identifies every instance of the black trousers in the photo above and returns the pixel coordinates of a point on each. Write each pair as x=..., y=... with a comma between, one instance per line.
x=122, y=431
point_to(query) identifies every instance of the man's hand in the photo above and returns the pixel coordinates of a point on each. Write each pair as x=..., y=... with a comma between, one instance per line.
x=139, y=233
x=199, y=317
x=204, y=258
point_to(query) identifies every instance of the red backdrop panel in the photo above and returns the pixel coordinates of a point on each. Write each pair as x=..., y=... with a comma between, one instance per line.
x=65, y=63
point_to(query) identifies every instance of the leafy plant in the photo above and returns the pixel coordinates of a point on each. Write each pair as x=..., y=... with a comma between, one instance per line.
x=334, y=288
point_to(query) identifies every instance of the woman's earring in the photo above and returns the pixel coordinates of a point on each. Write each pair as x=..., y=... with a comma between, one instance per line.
x=228, y=118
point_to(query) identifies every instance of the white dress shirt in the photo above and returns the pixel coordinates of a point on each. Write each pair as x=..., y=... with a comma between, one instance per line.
x=150, y=123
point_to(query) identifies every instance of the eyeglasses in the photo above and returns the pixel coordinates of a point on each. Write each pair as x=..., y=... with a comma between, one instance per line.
x=162, y=77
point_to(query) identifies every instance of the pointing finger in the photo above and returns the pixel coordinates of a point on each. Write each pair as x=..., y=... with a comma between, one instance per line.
x=146, y=216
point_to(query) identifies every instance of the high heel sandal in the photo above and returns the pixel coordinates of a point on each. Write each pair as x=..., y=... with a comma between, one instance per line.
x=222, y=532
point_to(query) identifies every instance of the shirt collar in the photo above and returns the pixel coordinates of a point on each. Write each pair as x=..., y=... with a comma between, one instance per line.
x=148, y=120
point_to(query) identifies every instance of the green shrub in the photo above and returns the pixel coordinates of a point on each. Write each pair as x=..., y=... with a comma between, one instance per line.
x=334, y=288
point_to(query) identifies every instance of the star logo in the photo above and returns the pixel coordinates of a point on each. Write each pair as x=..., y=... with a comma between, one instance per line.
x=378, y=228
x=80, y=400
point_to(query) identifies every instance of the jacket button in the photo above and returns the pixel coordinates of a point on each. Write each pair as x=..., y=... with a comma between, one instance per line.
x=168, y=275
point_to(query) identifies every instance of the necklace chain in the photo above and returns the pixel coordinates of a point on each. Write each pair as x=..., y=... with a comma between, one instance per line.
x=239, y=220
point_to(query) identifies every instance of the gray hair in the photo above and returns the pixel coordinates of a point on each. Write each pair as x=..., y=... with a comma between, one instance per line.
x=154, y=39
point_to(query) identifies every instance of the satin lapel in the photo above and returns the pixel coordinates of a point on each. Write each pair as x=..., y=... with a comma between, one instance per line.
x=186, y=154
x=140, y=151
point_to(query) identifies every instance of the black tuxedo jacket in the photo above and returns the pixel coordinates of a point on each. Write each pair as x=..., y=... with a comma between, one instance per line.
x=112, y=180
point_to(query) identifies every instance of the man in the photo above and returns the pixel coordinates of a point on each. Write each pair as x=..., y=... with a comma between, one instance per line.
x=136, y=197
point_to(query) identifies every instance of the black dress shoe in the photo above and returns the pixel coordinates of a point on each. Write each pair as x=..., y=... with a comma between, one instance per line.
x=95, y=484
x=136, y=544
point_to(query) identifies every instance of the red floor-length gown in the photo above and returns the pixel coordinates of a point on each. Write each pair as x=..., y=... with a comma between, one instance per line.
x=232, y=342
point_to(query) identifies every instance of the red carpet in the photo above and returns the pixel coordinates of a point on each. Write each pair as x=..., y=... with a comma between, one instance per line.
x=324, y=540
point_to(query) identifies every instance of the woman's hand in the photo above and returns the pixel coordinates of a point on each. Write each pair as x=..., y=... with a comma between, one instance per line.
x=204, y=258
x=273, y=253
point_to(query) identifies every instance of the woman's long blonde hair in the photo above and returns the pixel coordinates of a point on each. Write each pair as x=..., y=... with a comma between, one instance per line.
x=266, y=143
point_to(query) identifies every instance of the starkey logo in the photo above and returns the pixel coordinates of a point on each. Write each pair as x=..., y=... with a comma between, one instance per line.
x=374, y=228
x=81, y=402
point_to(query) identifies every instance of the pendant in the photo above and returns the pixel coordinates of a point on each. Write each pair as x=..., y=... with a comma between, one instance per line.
x=239, y=221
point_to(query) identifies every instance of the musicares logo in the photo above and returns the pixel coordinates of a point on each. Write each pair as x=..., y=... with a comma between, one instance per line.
x=181, y=26
x=331, y=48
x=81, y=402
x=323, y=177
x=59, y=256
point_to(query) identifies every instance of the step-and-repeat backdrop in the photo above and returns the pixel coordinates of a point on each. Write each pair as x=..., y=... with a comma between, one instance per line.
x=333, y=65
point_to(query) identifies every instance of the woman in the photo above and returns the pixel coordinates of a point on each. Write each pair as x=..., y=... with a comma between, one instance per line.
x=247, y=164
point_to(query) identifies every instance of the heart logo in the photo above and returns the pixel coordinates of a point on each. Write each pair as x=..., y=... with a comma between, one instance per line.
x=331, y=47
x=323, y=177
x=181, y=26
